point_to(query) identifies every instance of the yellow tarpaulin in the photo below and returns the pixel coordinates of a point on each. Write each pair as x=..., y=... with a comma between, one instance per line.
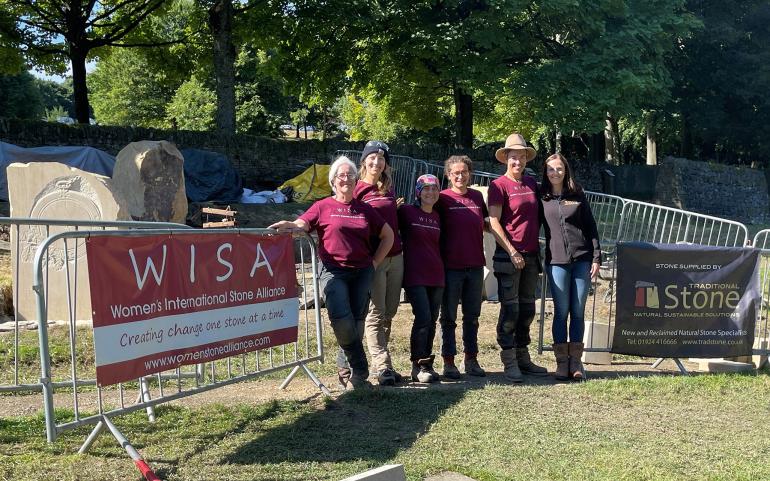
x=312, y=184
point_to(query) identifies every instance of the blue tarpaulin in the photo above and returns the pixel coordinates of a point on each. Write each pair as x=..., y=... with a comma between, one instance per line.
x=210, y=176
x=83, y=158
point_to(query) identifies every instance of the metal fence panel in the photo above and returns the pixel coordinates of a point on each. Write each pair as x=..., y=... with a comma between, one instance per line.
x=25, y=234
x=88, y=402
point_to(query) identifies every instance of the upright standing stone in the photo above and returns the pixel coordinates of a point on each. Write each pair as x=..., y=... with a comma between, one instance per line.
x=150, y=176
x=50, y=190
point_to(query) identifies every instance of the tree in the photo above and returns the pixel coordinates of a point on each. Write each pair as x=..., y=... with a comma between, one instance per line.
x=722, y=80
x=52, y=32
x=126, y=90
x=20, y=97
x=469, y=49
x=57, y=95
x=193, y=107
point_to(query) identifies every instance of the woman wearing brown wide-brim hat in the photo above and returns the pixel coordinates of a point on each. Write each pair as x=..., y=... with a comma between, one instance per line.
x=514, y=222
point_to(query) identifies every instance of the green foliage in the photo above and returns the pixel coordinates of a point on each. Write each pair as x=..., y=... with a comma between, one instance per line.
x=20, y=97
x=55, y=113
x=126, y=90
x=722, y=80
x=192, y=107
x=57, y=95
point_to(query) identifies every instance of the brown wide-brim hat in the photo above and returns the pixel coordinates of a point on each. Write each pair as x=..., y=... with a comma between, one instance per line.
x=515, y=142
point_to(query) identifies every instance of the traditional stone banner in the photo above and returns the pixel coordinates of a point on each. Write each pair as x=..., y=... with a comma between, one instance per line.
x=160, y=302
x=686, y=300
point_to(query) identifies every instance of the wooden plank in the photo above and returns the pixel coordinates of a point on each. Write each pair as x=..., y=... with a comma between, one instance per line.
x=224, y=223
x=224, y=212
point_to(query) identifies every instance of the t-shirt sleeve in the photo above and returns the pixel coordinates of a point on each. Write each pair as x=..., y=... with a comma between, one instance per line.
x=312, y=215
x=494, y=196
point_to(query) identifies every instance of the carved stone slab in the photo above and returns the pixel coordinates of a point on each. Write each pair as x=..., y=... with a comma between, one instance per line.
x=51, y=190
x=150, y=176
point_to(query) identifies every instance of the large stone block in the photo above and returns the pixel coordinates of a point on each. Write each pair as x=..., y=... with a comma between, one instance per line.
x=50, y=190
x=389, y=472
x=149, y=175
x=598, y=336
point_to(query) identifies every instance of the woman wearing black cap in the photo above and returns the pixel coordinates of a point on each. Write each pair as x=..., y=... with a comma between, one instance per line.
x=375, y=187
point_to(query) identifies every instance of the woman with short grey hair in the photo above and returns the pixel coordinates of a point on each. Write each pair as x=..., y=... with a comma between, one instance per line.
x=345, y=228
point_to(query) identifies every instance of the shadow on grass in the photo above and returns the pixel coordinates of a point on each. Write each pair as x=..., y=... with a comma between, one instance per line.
x=372, y=426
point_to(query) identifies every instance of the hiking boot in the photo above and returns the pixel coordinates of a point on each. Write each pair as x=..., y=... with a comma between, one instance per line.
x=526, y=365
x=472, y=368
x=397, y=375
x=511, y=365
x=433, y=374
x=357, y=383
x=575, y=364
x=420, y=373
x=560, y=351
x=451, y=372
x=343, y=375
x=386, y=377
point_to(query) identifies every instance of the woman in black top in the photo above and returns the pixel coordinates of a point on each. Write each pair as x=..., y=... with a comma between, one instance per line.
x=572, y=258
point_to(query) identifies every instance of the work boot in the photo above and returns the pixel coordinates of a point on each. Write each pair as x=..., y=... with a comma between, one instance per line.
x=561, y=351
x=526, y=365
x=511, y=365
x=386, y=377
x=421, y=372
x=472, y=368
x=450, y=370
x=575, y=364
x=358, y=382
x=343, y=375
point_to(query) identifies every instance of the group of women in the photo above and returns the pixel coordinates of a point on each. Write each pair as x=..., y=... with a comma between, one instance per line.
x=371, y=246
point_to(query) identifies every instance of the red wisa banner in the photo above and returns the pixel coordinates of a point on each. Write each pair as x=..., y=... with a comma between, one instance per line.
x=163, y=301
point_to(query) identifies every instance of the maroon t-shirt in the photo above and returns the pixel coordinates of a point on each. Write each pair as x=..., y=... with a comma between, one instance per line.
x=520, y=211
x=421, y=234
x=462, y=228
x=345, y=231
x=385, y=205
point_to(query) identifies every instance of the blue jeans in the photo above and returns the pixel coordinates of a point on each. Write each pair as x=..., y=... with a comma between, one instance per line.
x=426, y=301
x=346, y=294
x=465, y=285
x=516, y=292
x=569, y=287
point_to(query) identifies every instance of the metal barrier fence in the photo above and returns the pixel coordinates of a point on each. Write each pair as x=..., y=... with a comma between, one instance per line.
x=762, y=332
x=88, y=403
x=406, y=170
x=25, y=236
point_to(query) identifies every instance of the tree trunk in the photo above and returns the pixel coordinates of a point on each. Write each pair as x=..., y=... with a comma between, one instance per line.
x=611, y=147
x=557, y=142
x=652, y=154
x=463, y=118
x=79, y=85
x=221, y=24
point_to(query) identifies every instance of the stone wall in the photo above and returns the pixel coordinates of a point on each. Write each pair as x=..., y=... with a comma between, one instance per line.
x=261, y=161
x=732, y=192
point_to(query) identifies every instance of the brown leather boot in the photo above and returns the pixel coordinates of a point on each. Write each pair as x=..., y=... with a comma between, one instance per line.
x=511, y=365
x=575, y=364
x=561, y=352
x=526, y=365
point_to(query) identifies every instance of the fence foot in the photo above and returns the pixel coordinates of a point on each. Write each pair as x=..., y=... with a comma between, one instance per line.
x=676, y=360
x=140, y=463
x=91, y=437
x=310, y=374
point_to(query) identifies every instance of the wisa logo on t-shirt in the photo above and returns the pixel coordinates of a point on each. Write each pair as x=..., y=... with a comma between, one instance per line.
x=520, y=189
x=425, y=221
x=348, y=212
x=463, y=203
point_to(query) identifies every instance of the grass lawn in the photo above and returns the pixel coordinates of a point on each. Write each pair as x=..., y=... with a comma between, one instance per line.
x=621, y=425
